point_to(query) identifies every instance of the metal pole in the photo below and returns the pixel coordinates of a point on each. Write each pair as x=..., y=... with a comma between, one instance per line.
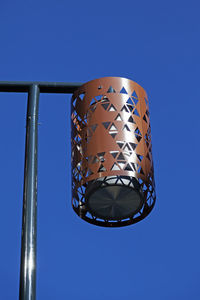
x=29, y=219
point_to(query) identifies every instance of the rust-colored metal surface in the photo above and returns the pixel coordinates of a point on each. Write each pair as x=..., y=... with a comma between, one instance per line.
x=111, y=139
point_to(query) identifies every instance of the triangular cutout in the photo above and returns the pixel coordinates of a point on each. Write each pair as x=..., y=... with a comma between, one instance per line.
x=81, y=96
x=133, y=166
x=94, y=127
x=147, y=143
x=133, y=145
x=105, y=105
x=99, y=97
x=115, y=167
x=140, y=157
x=124, y=108
x=105, y=99
x=131, y=120
x=118, y=118
x=130, y=107
x=128, y=168
x=134, y=94
x=123, y=91
x=111, y=90
x=113, y=135
x=148, y=156
x=136, y=113
x=138, y=137
x=89, y=172
x=102, y=169
x=144, y=118
x=112, y=108
x=114, y=153
x=140, y=171
x=129, y=101
x=106, y=124
x=101, y=154
x=135, y=100
x=126, y=128
x=120, y=144
x=93, y=107
x=113, y=127
x=121, y=156
x=127, y=148
x=95, y=160
x=74, y=102
x=137, y=131
x=92, y=102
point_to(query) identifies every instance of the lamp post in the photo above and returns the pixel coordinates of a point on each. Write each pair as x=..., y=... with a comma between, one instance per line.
x=112, y=167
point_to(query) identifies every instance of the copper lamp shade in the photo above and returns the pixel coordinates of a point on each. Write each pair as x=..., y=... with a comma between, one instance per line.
x=112, y=166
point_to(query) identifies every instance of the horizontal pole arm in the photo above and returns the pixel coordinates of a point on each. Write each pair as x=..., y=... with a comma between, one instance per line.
x=45, y=87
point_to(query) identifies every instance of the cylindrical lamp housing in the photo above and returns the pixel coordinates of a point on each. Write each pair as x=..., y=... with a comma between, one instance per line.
x=112, y=166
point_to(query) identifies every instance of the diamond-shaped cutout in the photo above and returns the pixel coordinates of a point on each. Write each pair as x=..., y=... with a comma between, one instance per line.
x=111, y=90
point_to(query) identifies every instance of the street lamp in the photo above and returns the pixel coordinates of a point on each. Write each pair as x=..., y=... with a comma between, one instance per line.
x=112, y=167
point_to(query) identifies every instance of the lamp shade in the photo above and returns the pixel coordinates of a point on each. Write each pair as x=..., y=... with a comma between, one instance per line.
x=112, y=166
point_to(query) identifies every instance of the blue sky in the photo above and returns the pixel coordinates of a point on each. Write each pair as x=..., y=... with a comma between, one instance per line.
x=155, y=43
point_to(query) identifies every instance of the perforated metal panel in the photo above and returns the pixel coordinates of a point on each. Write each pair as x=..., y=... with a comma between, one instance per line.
x=111, y=152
